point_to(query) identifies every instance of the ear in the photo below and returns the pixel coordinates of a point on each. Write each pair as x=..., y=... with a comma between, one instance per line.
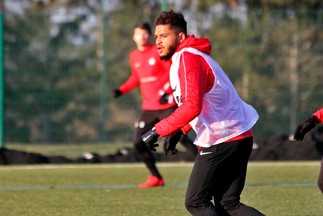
x=182, y=37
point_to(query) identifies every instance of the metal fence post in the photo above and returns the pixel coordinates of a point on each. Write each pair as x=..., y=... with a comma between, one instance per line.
x=103, y=79
x=164, y=5
x=2, y=79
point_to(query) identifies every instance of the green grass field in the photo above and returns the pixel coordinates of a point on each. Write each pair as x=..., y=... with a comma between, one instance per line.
x=274, y=188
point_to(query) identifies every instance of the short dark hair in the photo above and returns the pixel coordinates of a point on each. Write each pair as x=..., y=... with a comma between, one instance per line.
x=144, y=26
x=175, y=20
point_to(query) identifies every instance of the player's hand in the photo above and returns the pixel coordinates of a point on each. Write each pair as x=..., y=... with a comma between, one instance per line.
x=150, y=138
x=164, y=98
x=117, y=93
x=305, y=127
x=171, y=141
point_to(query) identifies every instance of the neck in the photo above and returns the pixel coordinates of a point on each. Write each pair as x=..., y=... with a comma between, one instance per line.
x=142, y=47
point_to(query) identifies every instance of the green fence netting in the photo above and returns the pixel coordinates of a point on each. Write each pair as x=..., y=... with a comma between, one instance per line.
x=61, y=66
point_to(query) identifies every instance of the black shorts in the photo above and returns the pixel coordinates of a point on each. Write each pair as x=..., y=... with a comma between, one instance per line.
x=148, y=119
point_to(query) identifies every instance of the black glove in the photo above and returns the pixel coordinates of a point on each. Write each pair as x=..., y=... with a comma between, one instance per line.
x=164, y=98
x=305, y=127
x=150, y=138
x=117, y=93
x=171, y=141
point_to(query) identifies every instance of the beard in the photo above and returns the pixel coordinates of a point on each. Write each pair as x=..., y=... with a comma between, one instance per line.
x=168, y=55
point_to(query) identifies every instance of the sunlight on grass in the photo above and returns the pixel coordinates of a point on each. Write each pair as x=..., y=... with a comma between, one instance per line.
x=47, y=195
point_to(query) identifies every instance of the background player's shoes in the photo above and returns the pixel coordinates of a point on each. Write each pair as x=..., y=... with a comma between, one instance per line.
x=152, y=181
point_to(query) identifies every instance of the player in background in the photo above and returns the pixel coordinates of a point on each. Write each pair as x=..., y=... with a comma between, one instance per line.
x=208, y=103
x=152, y=74
x=306, y=126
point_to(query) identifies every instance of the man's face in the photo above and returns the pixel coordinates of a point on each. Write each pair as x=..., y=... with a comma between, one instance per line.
x=141, y=37
x=167, y=41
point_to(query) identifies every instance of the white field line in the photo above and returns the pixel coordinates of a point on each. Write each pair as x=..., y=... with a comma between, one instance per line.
x=160, y=164
x=91, y=166
x=284, y=163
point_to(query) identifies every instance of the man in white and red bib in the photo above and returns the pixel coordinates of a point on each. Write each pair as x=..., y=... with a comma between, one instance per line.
x=208, y=103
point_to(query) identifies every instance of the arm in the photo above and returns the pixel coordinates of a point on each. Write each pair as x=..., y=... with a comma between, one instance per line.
x=126, y=87
x=307, y=125
x=132, y=81
x=319, y=115
x=186, y=128
x=130, y=84
x=167, y=96
x=169, y=89
x=193, y=76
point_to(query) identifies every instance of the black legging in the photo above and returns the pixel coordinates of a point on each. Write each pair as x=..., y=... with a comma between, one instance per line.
x=147, y=120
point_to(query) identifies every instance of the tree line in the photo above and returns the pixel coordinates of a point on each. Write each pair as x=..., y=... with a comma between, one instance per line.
x=60, y=55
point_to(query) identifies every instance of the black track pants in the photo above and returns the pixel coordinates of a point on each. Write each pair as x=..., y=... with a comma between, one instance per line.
x=219, y=173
